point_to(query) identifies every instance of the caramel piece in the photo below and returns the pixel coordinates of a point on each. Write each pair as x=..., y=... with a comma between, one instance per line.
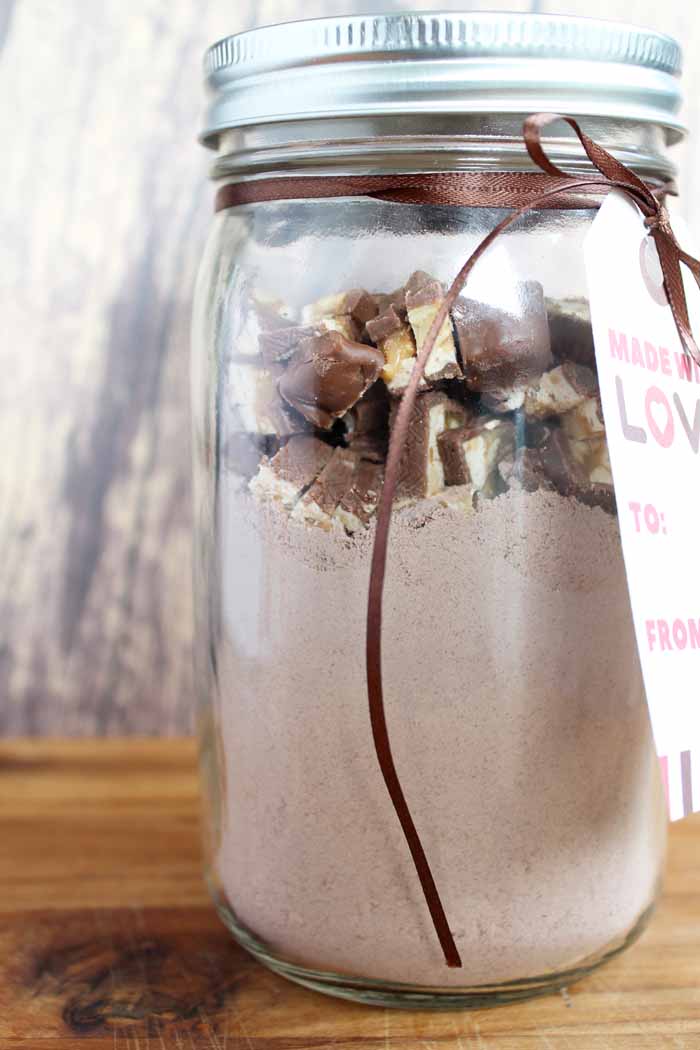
x=328, y=375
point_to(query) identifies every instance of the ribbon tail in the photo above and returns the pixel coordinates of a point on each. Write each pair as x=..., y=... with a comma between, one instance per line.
x=670, y=257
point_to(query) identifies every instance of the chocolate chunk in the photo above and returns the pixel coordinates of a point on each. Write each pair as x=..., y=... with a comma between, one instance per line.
x=424, y=297
x=383, y=325
x=570, y=331
x=256, y=407
x=560, y=390
x=367, y=431
x=500, y=351
x=471, y=454
x=357, y=303
x=283, y=478
x=583, y=473
x=396, y=299
x=280, y=344
x=418, y=280
x=328, y=375
x=358, y=504
x=319, y=503
x=421, y=471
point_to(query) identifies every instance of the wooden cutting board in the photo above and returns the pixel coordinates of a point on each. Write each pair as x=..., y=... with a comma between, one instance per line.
x=108, y=940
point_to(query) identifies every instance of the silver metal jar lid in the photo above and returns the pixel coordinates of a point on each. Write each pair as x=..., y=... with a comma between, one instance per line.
x=442, y=63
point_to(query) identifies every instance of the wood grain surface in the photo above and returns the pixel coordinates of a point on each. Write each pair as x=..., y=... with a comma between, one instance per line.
x=103, y=208
x=108, y=941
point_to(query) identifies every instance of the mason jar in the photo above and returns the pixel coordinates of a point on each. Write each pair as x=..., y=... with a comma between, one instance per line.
x=512, y=689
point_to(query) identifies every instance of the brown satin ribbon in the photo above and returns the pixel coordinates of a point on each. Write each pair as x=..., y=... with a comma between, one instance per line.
x=522, y=192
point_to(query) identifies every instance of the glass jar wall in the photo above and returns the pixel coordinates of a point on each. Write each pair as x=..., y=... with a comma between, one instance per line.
x=514, y=695
x=512, y=686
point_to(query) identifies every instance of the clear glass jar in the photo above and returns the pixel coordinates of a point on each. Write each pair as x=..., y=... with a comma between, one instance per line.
x=512, y=685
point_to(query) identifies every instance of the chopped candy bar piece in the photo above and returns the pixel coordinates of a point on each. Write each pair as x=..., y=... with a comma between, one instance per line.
x=584, y=421
x=320, y=501
x=395, y=339
x=328, y=375
x=570, y=331
x=423, y=301
x=367, y=424
x=256, y=405
x=421, y=471
x=560, y=390
x=260, y=314
x=581, y=473
x=471, y=454
x=501, y=352
x=357, y=303
x=343, y=324
x=396, y=299
x=282, y=343
x=289, y=473
x=387, y=323
x=357, y=506
x=418, y=279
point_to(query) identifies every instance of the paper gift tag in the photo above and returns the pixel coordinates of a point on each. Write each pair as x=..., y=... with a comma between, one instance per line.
x=651, y=404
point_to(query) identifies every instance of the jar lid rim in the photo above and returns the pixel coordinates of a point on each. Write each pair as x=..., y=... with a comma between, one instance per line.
x=411, y=62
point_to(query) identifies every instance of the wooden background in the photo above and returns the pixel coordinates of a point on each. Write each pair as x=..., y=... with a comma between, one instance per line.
x=103, y=209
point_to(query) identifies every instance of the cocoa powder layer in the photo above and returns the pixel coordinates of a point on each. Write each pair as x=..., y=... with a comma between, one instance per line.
x=518, y=724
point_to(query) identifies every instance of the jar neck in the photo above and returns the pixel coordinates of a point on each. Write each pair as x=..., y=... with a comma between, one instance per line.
x=429, y=142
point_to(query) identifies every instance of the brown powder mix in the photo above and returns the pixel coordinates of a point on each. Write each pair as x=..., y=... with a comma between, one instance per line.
x=518, y=724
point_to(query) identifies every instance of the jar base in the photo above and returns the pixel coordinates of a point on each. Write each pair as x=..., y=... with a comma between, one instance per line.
x=412, y=997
